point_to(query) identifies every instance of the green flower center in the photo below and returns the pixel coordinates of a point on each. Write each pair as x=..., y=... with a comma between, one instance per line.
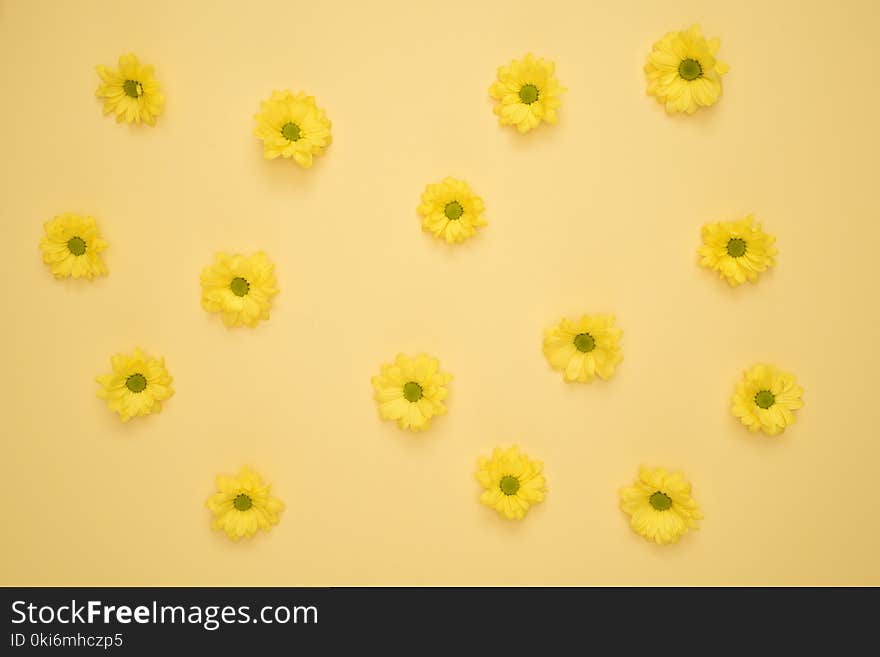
x=132, y=88
x=291, y=131
x=690, y=69
x=528, y=94
x=242, y=502
x=509, y=485
x=736, y=247
x=76, y=245
x=412, y=391
x=660, y=501
x=765, y=399
x=136, y=382
x=239, y=286
x=584, y=342
x=453, y=210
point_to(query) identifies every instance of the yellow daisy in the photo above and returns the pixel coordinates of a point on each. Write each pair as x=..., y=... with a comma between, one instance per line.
x=660, y=506
x=71, y=247
x=766, y=399
x=584, y=348
x=737, y=250
x=131, y=93
x=239, y=287
x=513, y=482
x=242, y=505
x=682, y=71
x=137, y=386
x=527, y=93
x=451, y=211
x=292, y=125
x=411, y=391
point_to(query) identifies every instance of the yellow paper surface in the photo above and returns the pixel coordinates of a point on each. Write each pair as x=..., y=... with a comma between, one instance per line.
x=600, y=213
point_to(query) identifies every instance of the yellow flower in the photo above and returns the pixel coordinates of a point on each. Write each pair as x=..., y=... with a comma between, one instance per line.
x=131, y=93
x=737, y=250
x=411, y=391
x=765, y=399
x=242, y=505
x=292, y=125
x=683, y=73
x=451, y=211
x=513, y=482
x=137, y=386
x=660, y=505
x=527, y=93
x=583, y=348
x=71, y=246
x=239, y=287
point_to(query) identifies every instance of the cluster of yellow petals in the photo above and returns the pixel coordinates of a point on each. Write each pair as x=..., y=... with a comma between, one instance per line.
x=130, y=92
x=683, y=73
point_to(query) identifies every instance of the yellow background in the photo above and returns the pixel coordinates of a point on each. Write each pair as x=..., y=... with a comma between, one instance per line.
x=600, y=213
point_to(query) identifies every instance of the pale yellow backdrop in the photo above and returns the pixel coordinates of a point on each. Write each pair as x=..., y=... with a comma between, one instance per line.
x=600, y=213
